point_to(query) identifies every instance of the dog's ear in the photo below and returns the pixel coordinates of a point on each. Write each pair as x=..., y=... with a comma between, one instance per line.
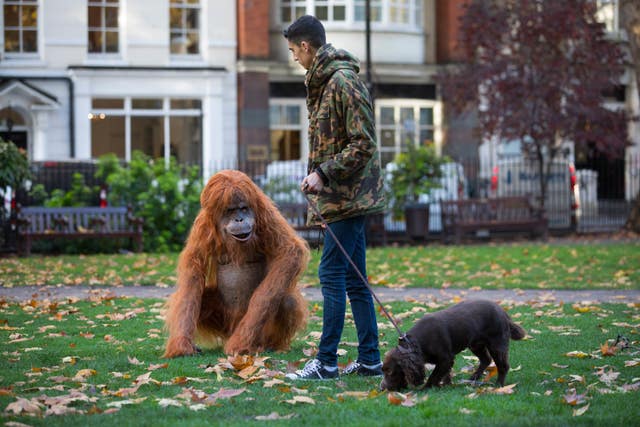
x=412, y=367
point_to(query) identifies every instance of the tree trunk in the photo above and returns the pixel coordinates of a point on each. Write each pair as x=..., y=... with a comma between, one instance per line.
x=630, y=22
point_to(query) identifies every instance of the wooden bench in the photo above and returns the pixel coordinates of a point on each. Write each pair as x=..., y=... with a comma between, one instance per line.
x=39, y=223
x=483, y=216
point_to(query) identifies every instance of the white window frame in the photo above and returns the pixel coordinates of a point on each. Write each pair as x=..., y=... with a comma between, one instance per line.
x=331, y=5
x=414, y=18
x=416, y=105
x=103, y=4
x=303, y=126
x=22, y=55
x=165, y=112
x=184, y=31
x=611, y=23
x=373, y=4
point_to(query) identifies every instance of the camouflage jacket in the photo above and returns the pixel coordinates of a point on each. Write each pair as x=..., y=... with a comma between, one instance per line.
x=342, y=138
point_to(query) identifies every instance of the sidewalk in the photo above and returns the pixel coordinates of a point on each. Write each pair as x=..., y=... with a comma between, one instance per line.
x=26, y=293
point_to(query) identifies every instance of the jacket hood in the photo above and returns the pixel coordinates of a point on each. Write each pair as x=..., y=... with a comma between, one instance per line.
x=327, y=61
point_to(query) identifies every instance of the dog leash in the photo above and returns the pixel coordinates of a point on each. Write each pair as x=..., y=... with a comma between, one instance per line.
x=402, y=337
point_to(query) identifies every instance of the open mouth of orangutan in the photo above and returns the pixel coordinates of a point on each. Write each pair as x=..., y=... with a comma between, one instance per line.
x=242, y=237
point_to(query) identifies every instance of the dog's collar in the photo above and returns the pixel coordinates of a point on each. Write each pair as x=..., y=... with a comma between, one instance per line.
x=405, y=341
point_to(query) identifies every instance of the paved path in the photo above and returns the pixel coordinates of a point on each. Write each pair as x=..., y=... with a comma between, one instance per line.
x=25, y=293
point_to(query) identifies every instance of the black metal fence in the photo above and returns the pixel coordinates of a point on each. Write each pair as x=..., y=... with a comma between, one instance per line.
x=578, y=200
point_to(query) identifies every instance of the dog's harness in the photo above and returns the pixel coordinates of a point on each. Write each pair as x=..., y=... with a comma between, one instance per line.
x=403, y=339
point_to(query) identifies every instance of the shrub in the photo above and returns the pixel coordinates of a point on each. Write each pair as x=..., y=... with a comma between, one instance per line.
x=14, y=168
x=167, y=198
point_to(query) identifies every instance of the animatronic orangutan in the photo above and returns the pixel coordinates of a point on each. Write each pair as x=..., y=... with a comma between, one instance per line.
x=237, y=274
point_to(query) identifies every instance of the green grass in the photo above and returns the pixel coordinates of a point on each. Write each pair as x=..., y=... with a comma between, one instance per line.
x=46, y=347
x=523, y=266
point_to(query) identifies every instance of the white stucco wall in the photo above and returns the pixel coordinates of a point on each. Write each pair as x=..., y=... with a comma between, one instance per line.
x=144, y=44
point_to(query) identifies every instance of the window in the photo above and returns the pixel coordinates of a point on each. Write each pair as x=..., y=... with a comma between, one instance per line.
x=385, y=13
x=287, y=129
x=608, y=14
x=293, y=9
x=20, y=26
x=159, y=127
x=401, y=123
x=360, y=12
x=103, y=26
x=185, y=27
x=331, y=10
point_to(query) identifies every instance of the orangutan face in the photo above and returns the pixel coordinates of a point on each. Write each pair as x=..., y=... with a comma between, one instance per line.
x=238, y=220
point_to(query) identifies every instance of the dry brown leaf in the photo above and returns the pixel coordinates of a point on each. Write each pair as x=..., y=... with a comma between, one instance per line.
x=580, y=411
x=300, y=399
x=492, y=371
x=122, y=403
x=134, y=361
x=24, y=406
x=573, y=398
x=396, y=398
x=154, y=367
x=274, y=416
x=240, y=362
x=578, y=354
x=228, y=393
x=508, y=389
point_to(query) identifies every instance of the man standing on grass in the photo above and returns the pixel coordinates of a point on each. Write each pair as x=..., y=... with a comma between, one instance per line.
x=345, y=182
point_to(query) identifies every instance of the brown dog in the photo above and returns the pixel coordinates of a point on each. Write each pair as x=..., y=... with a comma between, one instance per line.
x=482, y=326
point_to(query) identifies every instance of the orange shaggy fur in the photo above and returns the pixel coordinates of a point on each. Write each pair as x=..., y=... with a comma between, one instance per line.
x=270, y=315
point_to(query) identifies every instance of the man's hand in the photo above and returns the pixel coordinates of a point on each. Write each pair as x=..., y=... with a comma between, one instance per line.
x=312, y=183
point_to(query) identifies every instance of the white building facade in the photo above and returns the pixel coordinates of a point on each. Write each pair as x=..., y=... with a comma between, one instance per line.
x=81, y=78
x=403, y=58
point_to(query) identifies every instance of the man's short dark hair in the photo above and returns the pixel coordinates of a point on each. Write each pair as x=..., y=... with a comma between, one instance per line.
x=306, y=28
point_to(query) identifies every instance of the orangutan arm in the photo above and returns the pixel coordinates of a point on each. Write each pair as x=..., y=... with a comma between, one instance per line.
x=281, y=279
x=183, y=313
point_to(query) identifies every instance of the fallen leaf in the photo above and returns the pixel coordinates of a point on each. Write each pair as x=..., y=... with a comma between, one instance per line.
x=608, y=350
x=573, y=398
x=122, y=403
x=274, y=416
x=508, y=389
x=134, y=361
x=578, y=354
x=492, y=371
x=396, y=398
x=228, y=393
x=301, y=399
x=357, y=394
x=274, y=381
x=82, y=374
x=241, y=362
x=580, y=411
x=24, y=406
x=165, y=402
x=153, y=367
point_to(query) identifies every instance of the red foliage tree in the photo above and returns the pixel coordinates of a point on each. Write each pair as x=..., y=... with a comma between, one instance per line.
x=537, y=70
x=630, y=21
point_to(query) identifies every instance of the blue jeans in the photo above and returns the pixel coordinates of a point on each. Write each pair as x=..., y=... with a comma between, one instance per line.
x=338, y=279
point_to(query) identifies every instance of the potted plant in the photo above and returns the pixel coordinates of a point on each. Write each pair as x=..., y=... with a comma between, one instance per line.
x=416, y=173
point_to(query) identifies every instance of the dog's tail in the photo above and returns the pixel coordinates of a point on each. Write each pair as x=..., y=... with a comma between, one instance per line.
x=517, y=331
